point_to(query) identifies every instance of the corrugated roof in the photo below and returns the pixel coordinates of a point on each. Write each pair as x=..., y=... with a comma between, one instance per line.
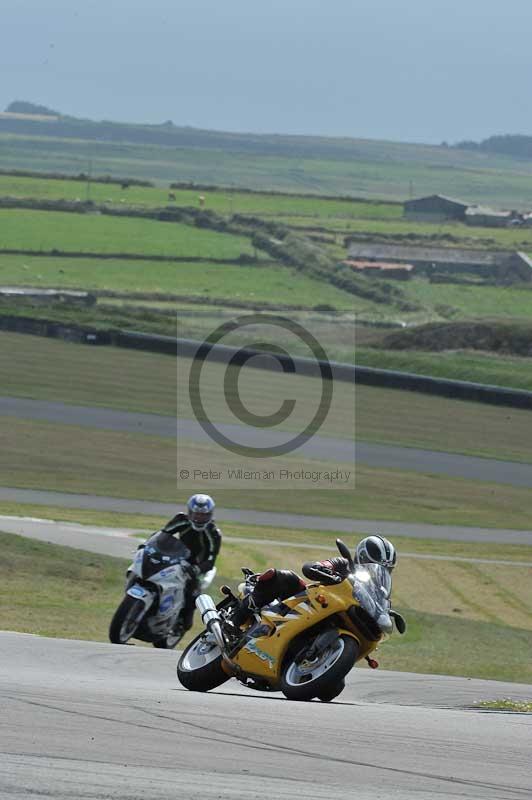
x=360, y=251
x=484, y=211
x=524, y=258
x=454, y=200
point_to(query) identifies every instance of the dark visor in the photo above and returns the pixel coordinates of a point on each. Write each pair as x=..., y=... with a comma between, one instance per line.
x=200, y=516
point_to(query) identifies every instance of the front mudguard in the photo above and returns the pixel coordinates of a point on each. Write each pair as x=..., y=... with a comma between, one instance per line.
x=139, y=592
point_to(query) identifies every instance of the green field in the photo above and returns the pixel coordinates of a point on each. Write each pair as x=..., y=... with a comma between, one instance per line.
x=455, y=301
x=452, y=641
x=254, y=283
x=223, y=201
x=42, y=230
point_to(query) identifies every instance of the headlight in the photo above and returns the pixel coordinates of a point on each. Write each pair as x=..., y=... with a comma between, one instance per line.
x=136, y=566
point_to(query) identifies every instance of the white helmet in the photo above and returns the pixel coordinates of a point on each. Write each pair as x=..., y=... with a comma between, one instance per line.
x=200, y=509
x=376, y=550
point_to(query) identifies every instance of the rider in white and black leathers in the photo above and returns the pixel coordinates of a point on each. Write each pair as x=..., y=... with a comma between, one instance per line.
x=371, y=550
x=197, y=530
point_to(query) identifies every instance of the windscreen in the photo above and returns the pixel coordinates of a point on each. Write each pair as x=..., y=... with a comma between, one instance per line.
x=372, y=587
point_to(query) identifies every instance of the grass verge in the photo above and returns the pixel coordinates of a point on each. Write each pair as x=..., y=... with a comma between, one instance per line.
x=102, y=462
x=48, y=369
x=147, y=524
x=506, y=705
x=440, y=645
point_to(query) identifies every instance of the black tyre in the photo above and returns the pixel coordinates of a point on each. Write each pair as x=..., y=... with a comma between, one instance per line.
x=327, y=695
x=125, y=620
x=303, y=679
x=200, y=667
x=169, y=642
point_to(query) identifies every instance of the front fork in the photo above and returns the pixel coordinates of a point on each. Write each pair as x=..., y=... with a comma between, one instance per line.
x=211, y=619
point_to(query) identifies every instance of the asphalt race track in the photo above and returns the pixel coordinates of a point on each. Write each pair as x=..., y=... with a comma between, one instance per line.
x=118, y=542
x=338, y=450
x=91, y=720
x=272, y=519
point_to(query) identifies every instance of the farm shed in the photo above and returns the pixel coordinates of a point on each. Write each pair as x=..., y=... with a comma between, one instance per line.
x=382, y=269
x=435, y=208
x=518, y=268
x=491, y=264
x=428, y=260
x=488, y=217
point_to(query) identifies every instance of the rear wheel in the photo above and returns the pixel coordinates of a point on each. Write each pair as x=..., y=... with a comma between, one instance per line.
x=125, y=620
x=200, y=667
x=306, y=676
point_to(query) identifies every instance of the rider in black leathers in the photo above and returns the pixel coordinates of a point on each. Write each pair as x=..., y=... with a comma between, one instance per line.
x=197, y=530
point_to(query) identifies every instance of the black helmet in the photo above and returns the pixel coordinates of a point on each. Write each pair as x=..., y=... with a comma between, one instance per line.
x=200, y=509
x=376, y=550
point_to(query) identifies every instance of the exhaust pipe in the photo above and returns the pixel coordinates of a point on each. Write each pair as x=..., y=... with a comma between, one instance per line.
x=211, y=618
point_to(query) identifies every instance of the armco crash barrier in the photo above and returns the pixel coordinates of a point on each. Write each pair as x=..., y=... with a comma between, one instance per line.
x=369, y=376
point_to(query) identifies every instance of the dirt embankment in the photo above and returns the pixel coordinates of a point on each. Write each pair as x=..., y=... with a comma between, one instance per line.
x=507, y=338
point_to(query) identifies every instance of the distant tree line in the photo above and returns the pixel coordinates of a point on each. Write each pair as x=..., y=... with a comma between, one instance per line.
x=23, y=107
x=170, y=135
x=509, y=144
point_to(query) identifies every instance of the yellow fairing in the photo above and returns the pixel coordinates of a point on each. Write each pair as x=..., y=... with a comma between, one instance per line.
x=263, y=656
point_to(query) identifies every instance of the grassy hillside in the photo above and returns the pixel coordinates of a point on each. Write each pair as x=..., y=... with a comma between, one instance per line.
x=343, y=167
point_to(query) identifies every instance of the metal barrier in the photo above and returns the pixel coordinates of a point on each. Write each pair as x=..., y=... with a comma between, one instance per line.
x=189, y=348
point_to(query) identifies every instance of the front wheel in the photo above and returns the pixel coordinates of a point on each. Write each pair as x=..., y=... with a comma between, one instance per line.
x=125, y=620
x=200, y=667
x=171, y=640
x=307, y=676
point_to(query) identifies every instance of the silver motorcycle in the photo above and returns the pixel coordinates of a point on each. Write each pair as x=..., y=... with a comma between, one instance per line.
x=156, y=585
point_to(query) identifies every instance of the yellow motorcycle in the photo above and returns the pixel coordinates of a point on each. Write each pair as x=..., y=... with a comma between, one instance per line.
x=303, y=646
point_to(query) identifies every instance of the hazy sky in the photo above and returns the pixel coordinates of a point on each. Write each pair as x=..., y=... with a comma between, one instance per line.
x=420, y=70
